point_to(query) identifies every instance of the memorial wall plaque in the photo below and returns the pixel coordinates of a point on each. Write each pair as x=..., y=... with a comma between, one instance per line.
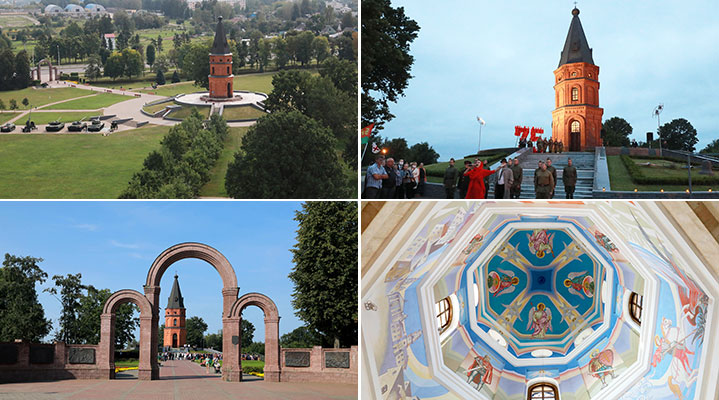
x=81, y=356
x=8, y=353
x=337, y=359
x=235, y=340
x=297, y=359
x=42, y=354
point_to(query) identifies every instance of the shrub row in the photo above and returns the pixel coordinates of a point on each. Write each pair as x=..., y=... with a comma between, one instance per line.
x=638, y=176
x=251, y=369
x=182, y=165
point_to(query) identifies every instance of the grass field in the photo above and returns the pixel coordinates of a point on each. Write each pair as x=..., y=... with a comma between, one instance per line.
x=216, y=186
x=173, y=89
x=41, y=118
x=252, y=82
x=185, y=111
x=90, y=103
x=39, y=97
x=7, y=116
x=235, y=113
x=622, y=181
x=73, y=165
x=157, y=107
x=130, y=362
x=14, y=21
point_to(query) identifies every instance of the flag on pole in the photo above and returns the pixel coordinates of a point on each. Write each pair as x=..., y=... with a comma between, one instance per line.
x=375, y=148
x=366, y=133
x=480, y=120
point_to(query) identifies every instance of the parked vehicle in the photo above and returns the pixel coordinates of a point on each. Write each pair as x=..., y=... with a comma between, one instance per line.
x=96, y=126
x=9, y=127
x=77, y=126
x=54, y=126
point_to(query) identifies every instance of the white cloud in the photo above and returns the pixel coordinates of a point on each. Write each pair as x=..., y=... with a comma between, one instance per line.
x=124, y=245
x=86, y=227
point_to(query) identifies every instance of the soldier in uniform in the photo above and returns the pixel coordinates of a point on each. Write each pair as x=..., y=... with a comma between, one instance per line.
x=543, y=181
x=553, y=171
x=516, y=189
x=569, y=176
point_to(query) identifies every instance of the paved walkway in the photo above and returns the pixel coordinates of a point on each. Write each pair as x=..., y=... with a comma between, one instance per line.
x=179, y=379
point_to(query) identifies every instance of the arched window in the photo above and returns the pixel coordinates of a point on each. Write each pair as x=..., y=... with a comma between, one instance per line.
x=213, y=70
x=543, y=391
x=636, y=301
x=228, y=70
x=575, y=126
x=444, y=314
x=174, y=322
x=575, y=94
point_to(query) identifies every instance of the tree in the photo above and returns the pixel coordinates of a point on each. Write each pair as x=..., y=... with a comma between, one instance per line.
x=679, y=135
x=264, y=53
x=175, y=77
x=301, y=337
x=13, y=104
x=21, y=314
x=214, y=340
x=70, y=293
x=261, y=168
x=342, y=73
x=326, y=252
x=398, y=149
x=320, y=48
x=712, y=148
x=386, y=63
x=196, y=328
x=132, y=62
x=150, y=55
x=93, y=70
x=254, y=348
x=22, y=70
x=2, y=105
x=159, y=44
x=282, y=54
x=423, y=153
x=616, y=131
x=25, y=102
x=161, y=336
x=114, y=65
x=248, y=331
x=194, y=63
x=304, y=47
x=160, y=79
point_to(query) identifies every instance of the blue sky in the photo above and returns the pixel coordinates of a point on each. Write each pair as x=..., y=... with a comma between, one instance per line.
x=496, y=60
x=113, y=245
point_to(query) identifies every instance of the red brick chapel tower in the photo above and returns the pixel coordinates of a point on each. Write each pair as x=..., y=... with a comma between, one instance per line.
x=577, y=118
x=220, y=65
x=175, y=334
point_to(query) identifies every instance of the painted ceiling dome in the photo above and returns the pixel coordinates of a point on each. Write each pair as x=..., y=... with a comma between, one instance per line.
x=490, y=300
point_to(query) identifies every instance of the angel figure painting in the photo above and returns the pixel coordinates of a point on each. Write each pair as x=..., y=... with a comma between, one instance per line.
x=540, y=321
x=540, y=242
x=580, y=284
x=480, y=372
x=502, y=282
x=602, y=364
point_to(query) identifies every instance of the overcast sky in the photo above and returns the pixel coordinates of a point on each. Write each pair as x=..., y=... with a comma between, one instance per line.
x=113, y=245
x=496, y=60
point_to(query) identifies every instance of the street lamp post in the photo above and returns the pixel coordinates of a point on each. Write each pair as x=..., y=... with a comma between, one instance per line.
x=658, y=110
x=479, y=142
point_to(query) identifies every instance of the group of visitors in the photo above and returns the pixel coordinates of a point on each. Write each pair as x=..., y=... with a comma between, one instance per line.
x=543, y=145
x=211, y=361
x=386, y=179
x=473, y=181
x=545, y=180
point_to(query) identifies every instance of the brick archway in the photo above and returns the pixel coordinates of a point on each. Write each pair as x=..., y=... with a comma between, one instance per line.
x=272, y=334
x=231, y=353
x=106, y=348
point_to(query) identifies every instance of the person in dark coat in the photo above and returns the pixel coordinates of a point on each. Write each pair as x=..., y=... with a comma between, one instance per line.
x=450, y=179
x=517, y=172
x=569, y=176
x=553, y=171
x=463, y=181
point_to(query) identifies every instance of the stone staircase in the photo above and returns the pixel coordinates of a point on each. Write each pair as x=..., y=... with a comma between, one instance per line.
x=584, y=161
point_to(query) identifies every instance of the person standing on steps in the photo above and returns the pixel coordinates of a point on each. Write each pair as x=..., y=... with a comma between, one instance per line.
x=450, y=179
x=463, y=181
x=504, y=181
x=476, y=175
x=553, y=171
x=486, y=179
x=373, y=179
x=569, y=176
x=517, y=173
x=543, y=182
x=389, y=184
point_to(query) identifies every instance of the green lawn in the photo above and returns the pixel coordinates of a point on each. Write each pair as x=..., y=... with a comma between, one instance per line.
x=185, y=111
x=244, y=112
x=622, y=181
x=13, y=21
x=7, y=116
x=157, y=107
x=130, y=362
x=41, y=118
x=216, y=186
x=258, y=82
x=137, y=82
x=39, y=97
x=174, y=89
x=90, y=103
x=73, y=165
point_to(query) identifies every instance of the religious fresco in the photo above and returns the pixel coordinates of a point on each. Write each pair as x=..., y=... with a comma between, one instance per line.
x=504, y=256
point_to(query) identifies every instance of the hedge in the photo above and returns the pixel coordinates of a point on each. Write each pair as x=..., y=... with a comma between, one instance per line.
x=638, y=176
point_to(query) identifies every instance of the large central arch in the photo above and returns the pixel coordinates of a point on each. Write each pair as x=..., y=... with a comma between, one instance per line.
x=229, y=296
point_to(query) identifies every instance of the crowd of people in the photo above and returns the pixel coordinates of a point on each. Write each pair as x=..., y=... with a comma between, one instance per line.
x=385, y=180
x=543, y=145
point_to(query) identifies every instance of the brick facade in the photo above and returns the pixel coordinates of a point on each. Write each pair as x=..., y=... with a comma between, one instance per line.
x=577, y=99
x=175, y=333
x=221, y=77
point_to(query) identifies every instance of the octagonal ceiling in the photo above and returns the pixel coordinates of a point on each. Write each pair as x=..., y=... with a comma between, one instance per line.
x=538, y=294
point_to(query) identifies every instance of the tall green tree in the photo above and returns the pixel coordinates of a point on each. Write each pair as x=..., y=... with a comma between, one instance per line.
x=712, y=148
x=22, y=70
x=247, y=331
x=301, y=337
x=150, y=55
x=196, y=328
x=325, y=271
x=70, y=292
x=263, y=168
x=94, y=68
x=679, y=134
x=194, y=63
x=616, y=131
x=386, y=63
x=423, y=153
x=21, y=314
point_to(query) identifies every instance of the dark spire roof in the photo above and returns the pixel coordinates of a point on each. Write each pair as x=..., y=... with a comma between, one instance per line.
x=576, y=48
x=219, y=45
x=175, y=300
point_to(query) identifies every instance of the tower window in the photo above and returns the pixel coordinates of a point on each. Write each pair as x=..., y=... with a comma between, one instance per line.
x=228, y=70
x=575, y=126
x=575, y=94
x=635, y=307
x=444, y=314
x=543, y=391
x=174, y=322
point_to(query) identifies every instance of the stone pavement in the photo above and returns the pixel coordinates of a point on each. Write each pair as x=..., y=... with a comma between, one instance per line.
x=179, y=379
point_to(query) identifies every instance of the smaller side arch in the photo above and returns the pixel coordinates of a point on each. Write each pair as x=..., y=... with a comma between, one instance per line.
x=272, y=331
x=125, y=296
